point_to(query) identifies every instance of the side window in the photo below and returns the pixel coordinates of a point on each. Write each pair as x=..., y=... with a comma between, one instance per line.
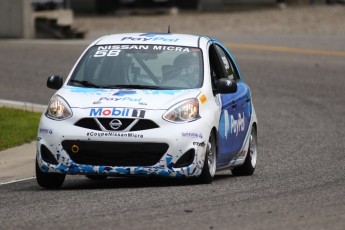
x=227, y=64
x=215, y=66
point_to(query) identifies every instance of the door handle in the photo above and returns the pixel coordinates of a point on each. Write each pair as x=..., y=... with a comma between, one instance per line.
x=233, y=104
x=248, y=100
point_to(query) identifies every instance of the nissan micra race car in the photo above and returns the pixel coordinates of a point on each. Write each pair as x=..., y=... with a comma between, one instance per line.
x=169, y=105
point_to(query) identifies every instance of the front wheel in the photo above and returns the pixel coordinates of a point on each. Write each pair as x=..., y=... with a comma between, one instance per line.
x=209, y=168
x=49, y=180
x=249, y=164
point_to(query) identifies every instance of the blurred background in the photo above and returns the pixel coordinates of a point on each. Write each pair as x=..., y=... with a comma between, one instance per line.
x=56, y=18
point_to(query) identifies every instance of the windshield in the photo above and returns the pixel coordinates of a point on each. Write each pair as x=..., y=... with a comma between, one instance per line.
x=139, y=66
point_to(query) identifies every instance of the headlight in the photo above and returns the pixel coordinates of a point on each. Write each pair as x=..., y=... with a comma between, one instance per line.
x=185, y=111
x=58, y=109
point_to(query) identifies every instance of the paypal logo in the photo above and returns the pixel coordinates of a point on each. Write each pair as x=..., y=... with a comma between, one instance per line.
x=150, y=37
x=233, y=125
x=237, y=125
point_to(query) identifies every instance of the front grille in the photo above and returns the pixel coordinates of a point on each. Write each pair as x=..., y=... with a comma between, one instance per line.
x=47, y=156
x=115, y=153
x=186, y=159
x=88, y=123
x=91, y=123
x=144, y=124
x=125, y=123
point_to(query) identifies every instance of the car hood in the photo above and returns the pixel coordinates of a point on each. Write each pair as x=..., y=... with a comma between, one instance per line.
x=78, y=97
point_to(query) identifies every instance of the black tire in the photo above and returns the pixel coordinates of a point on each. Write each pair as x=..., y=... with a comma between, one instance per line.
x=249, y=164
x=208, y=171
x=49, y=180
x=97, y=177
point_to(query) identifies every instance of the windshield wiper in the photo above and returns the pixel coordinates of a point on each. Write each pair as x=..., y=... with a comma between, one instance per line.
x=133, y=87
x=86, y=83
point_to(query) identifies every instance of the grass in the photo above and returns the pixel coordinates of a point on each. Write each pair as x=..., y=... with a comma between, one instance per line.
x=17, y=127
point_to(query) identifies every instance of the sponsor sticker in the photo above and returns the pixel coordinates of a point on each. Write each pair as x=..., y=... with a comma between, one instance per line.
x=237, y=125
x=172, y=48
x=116, y=112
x=149, y=37
x=200, y=144
x=192, y=135
x=45, y=131
x=119, y=98
x=113, y=134
x=108, y=53
x=115, y=50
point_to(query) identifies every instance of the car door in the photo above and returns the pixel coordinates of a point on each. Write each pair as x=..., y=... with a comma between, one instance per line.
x=235, y=115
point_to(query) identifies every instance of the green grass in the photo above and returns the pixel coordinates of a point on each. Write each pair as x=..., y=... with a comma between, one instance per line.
x=17, y=127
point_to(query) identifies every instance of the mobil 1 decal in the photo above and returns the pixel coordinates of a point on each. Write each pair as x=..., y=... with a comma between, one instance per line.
x=116, y=112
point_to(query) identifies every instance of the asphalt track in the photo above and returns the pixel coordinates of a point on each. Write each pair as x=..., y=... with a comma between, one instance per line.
x=299, y=182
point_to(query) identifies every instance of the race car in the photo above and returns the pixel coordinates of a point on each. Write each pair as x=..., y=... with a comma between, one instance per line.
x=150, y=104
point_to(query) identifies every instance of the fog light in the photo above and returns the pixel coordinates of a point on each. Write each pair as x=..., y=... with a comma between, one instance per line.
x=75, y=149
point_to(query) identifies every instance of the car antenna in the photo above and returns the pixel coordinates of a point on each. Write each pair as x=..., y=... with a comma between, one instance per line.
x=169, y=29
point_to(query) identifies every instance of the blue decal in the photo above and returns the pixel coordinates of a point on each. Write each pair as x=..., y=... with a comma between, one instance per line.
x=73, y=169
x=45, y=168
x=178, y=174
x=123, y=170
x=168, y=160
x=140, y=172
x=62, y=168
x=86, y=90
x=164, y=173
x=152, y=35
x=88, y=169
x=124, y=92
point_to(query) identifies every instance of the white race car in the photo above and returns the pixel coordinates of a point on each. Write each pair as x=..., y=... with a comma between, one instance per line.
x=170, y=105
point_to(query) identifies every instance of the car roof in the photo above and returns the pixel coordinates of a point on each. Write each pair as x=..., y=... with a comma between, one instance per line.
x=151, y=38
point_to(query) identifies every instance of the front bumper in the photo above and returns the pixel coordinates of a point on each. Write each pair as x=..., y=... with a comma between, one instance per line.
x=63, y=147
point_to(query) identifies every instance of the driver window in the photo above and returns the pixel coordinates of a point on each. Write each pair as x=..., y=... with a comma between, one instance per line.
x=231, y=73
x=215, y=66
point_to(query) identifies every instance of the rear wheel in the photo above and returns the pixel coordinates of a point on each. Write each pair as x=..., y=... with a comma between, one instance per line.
x=249, y=164
x=49, y=180
x=209, y=168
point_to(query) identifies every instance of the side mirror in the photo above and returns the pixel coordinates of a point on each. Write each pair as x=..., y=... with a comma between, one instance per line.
x=54, y=82
x=225, y=86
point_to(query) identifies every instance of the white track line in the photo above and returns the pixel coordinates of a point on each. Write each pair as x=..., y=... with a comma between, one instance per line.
x=19, y=180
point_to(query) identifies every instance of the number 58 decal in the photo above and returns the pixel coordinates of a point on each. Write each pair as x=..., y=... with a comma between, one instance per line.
x=109, y=53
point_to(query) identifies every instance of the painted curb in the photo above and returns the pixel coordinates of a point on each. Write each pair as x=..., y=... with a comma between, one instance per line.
x=27, y=106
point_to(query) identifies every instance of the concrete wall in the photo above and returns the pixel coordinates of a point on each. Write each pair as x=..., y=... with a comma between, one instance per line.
x=16, y=19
